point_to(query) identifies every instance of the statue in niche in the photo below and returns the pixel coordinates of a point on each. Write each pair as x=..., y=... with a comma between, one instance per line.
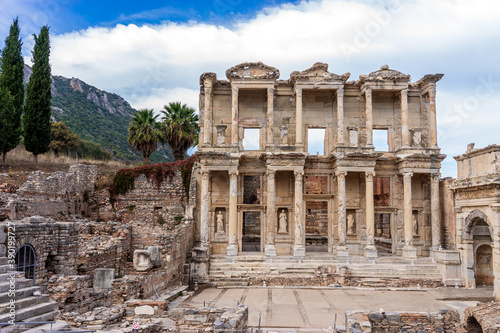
x=417, y=139
x=284, y=135
x=282, y=222
x=351, y=225
x=415, y=224
x=220, y=223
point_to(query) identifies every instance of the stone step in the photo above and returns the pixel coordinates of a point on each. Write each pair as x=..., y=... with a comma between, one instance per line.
x=20, y=293
x=5, y=268
x=47, y=316
x=4, y=261
x=21, y=303
x=20, y=284
x=28, y=313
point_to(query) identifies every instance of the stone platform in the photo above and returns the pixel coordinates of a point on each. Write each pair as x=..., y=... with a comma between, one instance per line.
x=323, y=270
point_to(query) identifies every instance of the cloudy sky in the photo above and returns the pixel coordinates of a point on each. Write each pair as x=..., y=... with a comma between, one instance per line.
x=153, y=52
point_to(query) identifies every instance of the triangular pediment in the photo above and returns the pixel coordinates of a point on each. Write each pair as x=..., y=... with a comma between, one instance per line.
x=317, y=73
x=252, y=71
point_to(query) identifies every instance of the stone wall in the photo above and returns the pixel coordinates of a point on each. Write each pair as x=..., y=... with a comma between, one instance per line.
x=55, y=244
x=208, y=318
x=446, y=321
x=482, y=318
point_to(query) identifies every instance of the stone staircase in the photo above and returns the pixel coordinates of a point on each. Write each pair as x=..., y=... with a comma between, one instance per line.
x=29, y=307
x=389, y=271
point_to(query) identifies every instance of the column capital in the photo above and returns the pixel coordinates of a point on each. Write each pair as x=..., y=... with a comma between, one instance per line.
x=233, y=173
x=234, y=90
x=270, y=90
x=270, y=172
x=435, y=177
x=341, y=174
x=340, y=92
x=298, y=92
x=207, y=84
x=205, y=174
x=407, y=176
x=369, y=175
x=298, y=173
x=368, y=92
x=404, y=91
x=432, y=92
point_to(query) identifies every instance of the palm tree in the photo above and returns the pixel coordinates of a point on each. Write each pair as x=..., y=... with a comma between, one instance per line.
x=179, y=128
x=143, y=133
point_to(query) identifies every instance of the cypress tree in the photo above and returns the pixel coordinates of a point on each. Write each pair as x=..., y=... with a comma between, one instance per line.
x=36, y=119
x=11, y=79
x=6, y=111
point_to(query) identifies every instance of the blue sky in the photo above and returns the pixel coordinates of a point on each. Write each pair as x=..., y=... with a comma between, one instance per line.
x=153, y=52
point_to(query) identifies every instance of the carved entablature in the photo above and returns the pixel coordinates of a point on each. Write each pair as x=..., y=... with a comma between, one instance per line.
x=252, y=71
x=420, y=162
x=385, y=74
x=318, y=73
x=429, y=79
x=208, y=76
x=285, y=159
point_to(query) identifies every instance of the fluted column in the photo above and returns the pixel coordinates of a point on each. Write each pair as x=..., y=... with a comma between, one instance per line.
x=298, y=117
x=435, y=212
x=299, y=248
x=405, y=133
x=340, y=116
x=432, y=116
x=409, y=250
x=234, y=116
x=270, y=248
x=232, y=246
x=270, y=115
x=369, y=117
x=207, y=122
x=342, y=223
x=370, y=249
x=205, y=208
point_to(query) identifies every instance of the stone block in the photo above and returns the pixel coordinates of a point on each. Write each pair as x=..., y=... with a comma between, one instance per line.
x=144, y=310
x=196, y=317
x=155, y=255
x=142, y=260
x=103, y=277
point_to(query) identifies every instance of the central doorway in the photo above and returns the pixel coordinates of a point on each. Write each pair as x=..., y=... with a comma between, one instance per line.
x=316, y=226
x=250, y=240
x=484, y=266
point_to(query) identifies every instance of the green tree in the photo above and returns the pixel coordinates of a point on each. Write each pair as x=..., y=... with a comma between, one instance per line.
x=62, y=137
x=179, y=128
x=36, y=119
x=143, y=133
x=6, y=112
x=11, y=78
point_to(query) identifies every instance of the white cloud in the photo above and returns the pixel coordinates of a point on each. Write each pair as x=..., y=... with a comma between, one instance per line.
x=151, y=65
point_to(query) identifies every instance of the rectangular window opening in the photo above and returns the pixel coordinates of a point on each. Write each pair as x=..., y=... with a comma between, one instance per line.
x=381, y=139
x=251, y=139
x=316, y=141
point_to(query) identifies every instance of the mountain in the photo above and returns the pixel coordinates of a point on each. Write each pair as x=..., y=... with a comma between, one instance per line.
x=97, y=116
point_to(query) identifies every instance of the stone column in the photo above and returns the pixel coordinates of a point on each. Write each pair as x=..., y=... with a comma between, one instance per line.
x=205, y=208
x=207, y=123
x=232, y=246
x=432, y=116
x=340, y=116
x=405, y=133
x=342, y=223
x=270, y=115
x=369, y=117
x=298, y=117
x=435, y=212
x=270, y=248
x=409, y=250
x=234, y=116
x=299, y=248
x=370, y=249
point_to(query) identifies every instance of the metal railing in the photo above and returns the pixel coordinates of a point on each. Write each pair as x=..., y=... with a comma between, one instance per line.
x=43, y=323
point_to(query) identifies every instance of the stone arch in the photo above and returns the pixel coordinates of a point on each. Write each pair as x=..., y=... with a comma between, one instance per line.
x=469, y=221
x=29, y=240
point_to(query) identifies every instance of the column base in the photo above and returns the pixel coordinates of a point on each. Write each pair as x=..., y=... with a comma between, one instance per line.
x=270, y=250
x=342, y=251
x=299, y=251
x=371, y=251
x=409, y=252
x=232, y=249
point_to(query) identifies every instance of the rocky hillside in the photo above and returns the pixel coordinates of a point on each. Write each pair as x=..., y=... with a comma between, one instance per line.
x=97, y=116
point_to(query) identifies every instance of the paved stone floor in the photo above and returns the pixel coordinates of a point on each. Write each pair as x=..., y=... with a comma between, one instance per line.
x=317, y=307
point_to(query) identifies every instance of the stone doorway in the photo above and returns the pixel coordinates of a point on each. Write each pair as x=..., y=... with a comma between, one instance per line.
x=316, y=226
x=484, y=265
x=26, y=261
x=383, y=232
x=251, y=235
